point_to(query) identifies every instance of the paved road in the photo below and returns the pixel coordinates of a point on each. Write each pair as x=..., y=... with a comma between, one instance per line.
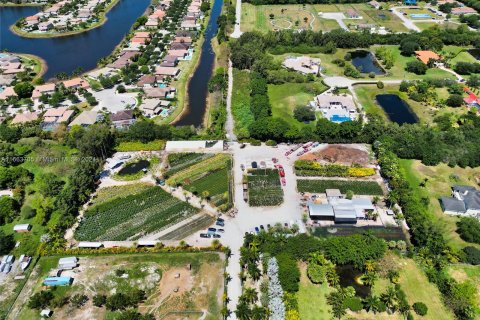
x=229, y=125
x=406, y=22
x=238, y=14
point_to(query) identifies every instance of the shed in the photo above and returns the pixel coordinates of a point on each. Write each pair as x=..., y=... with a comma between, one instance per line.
x=147, y=243
x=333, y=194
x=46, y=313
x=22, y=227
x=345, y=215
x=321, y=211
x=67, y=263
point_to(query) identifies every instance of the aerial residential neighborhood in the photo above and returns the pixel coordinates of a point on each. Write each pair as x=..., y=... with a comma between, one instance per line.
x=239, y=160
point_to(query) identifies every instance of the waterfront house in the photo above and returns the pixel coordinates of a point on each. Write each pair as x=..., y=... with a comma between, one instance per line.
x=188, y=24
x=123, y=59
x=142, y=34
x=53, y=117
x=336, y=108
x=31, y=20
x=161, y=93
x=7, y=92
x=179, y=46
x=169, y=61
x=122, y=119
x=48, y=88
x=45, y=26
x=21, y=118
x=184, y=39
x=76, y=83
x=167, y=71
x=147, y=81
x=180, y=54
x=151, y=107
x=61, y=26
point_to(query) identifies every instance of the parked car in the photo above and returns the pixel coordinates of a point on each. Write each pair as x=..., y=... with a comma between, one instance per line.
x=275, y=160
x=125, y=157
x=283, y=181
x=243, y=145
x=220, y=219
x=257, y=230
x=205, y=235
x=242, y=166
x=217, y=236
x=221, y=230
x=212, y=229
x=220, y=223
x=281, y=171
x=263, y=165
x=262, y=227
x=254, y=165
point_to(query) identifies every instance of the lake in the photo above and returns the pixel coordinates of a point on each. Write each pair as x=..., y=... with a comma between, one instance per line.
x=65, y=54
x=198, y=84
x=349, y=277
x=366, y=62
x=396, y=109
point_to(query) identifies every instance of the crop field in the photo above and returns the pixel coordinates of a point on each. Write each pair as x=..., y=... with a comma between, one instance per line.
x=195, y=294
x=264, y=188
x=357, y=187
x=106, y=194
x=179, y=161
x=128, y=217
x=199, y=223
x=208, y=178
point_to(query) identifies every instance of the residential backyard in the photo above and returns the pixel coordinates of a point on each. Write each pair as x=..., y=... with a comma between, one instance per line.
x=440, y=178
x=170, y=285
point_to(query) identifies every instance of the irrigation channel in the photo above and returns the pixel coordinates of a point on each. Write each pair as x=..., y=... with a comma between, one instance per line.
x=198, y=84
x=65, y=54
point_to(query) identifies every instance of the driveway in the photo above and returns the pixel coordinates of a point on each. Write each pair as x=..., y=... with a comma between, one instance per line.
x=338, y=16
x=238, y=14
x=406, y=22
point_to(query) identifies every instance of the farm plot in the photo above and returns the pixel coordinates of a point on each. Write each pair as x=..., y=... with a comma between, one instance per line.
x=264, y=188
x=357, y=187
x=179, y=161
x=186, y=284
x=209, y=178
x=134, y=215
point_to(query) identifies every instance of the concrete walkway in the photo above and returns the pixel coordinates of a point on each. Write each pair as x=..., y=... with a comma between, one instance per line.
x=238, y=14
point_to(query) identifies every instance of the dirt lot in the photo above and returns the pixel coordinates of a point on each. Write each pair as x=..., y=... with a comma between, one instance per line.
x=171, y=287
x=340, y=154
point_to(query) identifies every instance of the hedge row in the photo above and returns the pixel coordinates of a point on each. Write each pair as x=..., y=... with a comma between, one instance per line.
x=314, y=168
x=357, y=187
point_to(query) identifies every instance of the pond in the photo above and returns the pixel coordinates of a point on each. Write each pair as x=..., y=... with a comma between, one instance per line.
x=198, y=84
x=475, y=53
x=65, y=54
x=134, y=167
x=365, y=62
x=349, y=277
x=396, y=109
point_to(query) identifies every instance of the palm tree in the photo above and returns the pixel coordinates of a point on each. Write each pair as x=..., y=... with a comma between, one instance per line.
x=390, y=298
x=243, y=312
x=369, y=279
x=258, y=313
x=371, y=303
x=370, y=266
x=249, y=296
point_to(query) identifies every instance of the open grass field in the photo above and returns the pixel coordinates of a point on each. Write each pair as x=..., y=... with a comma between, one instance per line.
x=440, y=179
x=127, y=146
x=459, y=55
x=443, y=25
x=312, y=301
x=129, y=217
x=207, y=177
x=366, y=95
x=198, y=223
x=264, y=188
x=466, y=272
x=288, y=16
x=358, y=187
x=198, y=290
x=417, y=289
x=284, y=98
x=242, y=115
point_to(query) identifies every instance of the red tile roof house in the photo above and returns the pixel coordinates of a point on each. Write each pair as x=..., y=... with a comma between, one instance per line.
x=183, y=40
x=53, y=117
x=161, y=93
x=167, y=71
x=43, y=89
x=181, y=54
x=179, y=46
x=25, y=117
x=31, y=20
x=8, y=92
x=142, y=34
x=463, y=10
x=139, y=40
x=122, y=60
x=472, y=100
x=76, y=83
x=122, y=119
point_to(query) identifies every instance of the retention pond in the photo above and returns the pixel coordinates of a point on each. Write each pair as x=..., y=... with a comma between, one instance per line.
x=396, y=109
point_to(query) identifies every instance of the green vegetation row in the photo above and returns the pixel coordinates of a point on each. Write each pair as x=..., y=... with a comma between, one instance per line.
x=314, y=168
x=198, y=169
x=357, y=187
x=124, y=217
x=179, y=161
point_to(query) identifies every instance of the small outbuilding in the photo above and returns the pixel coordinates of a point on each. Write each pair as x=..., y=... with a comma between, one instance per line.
x=46, y=313
x=22, y=227
x=57, y=281
x=90, y=245
x=67, y=263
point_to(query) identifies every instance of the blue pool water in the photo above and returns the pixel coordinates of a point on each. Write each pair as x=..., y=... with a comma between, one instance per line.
x=337, y=118
x=164, y=113
x=420, y=16
x=162, y=85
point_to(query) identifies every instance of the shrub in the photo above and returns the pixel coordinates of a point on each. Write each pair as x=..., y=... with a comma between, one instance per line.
x=472, y=255
x=371, y=75
x=416, y=67
x=79, y=300
x=454, y=101
x=99, y=300
x=271, y=143
x=380, y=85
x=353, y=303
x=40, y=299
x=288, y=274
x=7, y=242
x=304, y=114
x=27, y=212
x=420, y=308
x=469, y=229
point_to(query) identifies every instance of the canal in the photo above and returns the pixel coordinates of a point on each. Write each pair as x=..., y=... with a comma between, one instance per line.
x=198, y=84
x=65, y=54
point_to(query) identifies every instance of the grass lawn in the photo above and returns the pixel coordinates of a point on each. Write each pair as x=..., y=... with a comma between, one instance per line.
x=463, y=272
x=126, y=146
x=417, y=289
x=288, y=16
x=242, y=114
x=366, y=96
x=444, y=25
x=440, y=179
x=285, y=97
x=461, y=55
x=199, y=289
x=312, y=301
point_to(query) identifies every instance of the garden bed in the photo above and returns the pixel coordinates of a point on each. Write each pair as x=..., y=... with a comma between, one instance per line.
x=315, y=169
x=130, y=216
x=264, y=188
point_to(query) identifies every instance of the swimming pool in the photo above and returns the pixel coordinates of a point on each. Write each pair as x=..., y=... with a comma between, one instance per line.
x=420, y=16
x=338, y=118
x=164, y=113
x=162, y=85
